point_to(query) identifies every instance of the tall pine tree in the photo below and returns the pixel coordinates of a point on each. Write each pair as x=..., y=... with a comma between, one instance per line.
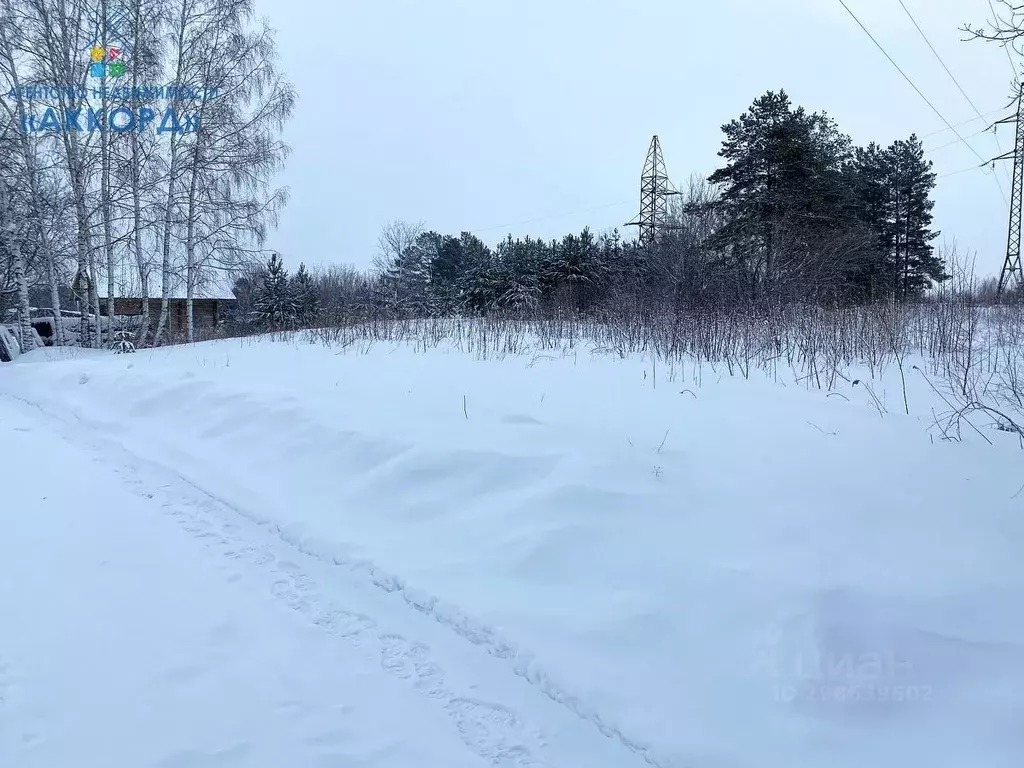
x=782, y=187
x=894, y=186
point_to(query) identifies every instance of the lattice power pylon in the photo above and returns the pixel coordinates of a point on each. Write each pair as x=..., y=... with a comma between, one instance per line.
x=1012, y=271
x=654, y=193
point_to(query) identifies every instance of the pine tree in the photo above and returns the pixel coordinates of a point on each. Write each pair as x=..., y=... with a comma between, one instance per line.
x=912, y=181
x=894, y=186
x=873, y=278
x=575, y=268
x=518, y=282
x=781, y=187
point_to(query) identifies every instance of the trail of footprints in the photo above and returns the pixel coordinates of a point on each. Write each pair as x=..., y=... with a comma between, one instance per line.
x=490, y=730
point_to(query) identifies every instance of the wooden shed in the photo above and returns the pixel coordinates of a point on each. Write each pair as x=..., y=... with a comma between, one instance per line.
x=207, y=313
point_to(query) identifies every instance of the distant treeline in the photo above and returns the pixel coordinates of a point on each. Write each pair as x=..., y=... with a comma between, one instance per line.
x=796, y=213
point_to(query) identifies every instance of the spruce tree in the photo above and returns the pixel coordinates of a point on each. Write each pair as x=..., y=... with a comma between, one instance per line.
x=478, y=284
x=304, y=294
x=408, y=278
x=446, y=270
x=275, y=304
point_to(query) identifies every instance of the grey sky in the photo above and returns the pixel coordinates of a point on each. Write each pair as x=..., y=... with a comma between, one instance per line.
x=475, y=114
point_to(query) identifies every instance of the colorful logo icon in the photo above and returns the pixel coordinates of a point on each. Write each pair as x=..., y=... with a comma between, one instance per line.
x=105, y=62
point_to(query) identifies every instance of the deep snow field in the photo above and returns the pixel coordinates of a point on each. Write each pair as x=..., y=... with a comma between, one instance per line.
x=270, y=553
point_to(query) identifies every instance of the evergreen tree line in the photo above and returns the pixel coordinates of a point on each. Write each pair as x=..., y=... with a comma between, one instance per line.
x=796, y=213
x=806, y=215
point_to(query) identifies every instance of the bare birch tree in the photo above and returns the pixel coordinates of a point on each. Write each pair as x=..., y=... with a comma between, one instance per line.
x=188, y=15
x=60, y=35
x=137, y=159
x=29, y=149
x=199, y=195
x=11, y=247
x=232, y=157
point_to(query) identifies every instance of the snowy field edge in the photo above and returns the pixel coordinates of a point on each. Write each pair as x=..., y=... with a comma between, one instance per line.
x=571, y=519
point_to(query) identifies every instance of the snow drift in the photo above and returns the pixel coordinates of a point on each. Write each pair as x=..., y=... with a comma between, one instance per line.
x=707, y=571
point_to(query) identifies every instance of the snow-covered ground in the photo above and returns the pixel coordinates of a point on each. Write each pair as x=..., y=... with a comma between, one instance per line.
x=274, y=553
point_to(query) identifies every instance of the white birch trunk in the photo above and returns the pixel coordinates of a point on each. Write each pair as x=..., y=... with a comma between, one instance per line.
x=9, y=241
x=189, y=296
x=27, y=339
x=136, y=170
x=105, y=208
x=190, y=251
x=165, y=266
x=97, y=331
x=58, y=39
x=190, y=237
x=35, y=199
x=171, y=183
x=84, y=247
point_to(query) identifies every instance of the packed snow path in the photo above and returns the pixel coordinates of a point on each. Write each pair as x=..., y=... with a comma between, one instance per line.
x=146, y=623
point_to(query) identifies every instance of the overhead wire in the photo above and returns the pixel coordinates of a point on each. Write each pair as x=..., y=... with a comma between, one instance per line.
x=952, y=77
x=962, y=170
x=939, y=58
x=986, y=129
x=913, y=85
x=965, y=122
x=960, y=139
x=552, y=216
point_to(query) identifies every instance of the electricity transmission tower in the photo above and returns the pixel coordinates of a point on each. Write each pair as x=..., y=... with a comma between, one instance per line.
x=654, y=193
x=1012, y=266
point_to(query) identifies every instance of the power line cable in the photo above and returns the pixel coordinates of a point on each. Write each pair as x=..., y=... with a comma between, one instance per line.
x=914, y=86
x=965, y=122
x=907, y=78
x=986, y=129
x=552, y=216
x=962, y=170
x=939, y=58
x=953, y=78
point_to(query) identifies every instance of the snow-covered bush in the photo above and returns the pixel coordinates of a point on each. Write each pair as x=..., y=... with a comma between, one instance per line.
x=122, y=343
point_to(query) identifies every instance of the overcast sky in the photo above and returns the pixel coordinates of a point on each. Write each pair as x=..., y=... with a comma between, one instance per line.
x=483, y=114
